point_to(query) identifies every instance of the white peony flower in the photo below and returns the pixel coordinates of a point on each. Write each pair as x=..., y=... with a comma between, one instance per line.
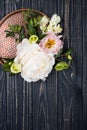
x=35, y=63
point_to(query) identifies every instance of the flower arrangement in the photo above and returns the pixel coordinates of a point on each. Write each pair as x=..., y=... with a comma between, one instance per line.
x=39, y=48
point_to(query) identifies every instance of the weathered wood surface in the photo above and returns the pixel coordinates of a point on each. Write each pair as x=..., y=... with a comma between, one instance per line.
x=60, y=103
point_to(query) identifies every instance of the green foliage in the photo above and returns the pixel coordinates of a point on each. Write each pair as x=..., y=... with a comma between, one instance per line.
x=64, y=58
x=7, y=65
x=16, y=31
x=68, y=52
x=32, y=21
x=61, y=66
x=69, y=57
x=30, y=14
x=59, y=53
x=30, y=28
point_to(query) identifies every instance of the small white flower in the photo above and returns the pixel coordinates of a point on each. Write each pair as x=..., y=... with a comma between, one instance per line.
x=44, y=29
x=49, y=28
x=55, y=19
x=52, y=25
x=43, y=24
x=35, y=63
x=57, y=29
x=44, y=21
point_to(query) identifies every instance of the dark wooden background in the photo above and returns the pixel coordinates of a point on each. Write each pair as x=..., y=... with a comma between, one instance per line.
x=60, y=103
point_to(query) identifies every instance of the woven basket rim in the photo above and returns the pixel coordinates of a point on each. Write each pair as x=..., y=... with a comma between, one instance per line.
x=19, y=11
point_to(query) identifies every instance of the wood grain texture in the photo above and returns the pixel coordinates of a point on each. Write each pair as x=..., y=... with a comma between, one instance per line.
x=84, y=23
x=59, y=103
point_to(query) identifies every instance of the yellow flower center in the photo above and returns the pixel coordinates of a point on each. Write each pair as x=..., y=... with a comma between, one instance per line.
x=50, y=43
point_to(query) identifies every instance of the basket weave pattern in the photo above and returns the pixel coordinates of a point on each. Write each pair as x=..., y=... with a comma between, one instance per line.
x=8, y=44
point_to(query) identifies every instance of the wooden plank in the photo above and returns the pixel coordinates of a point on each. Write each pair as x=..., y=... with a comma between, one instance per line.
x=23, y=104
x=3, y=87
x=84, y=36
x=2, y=10
x=3, y=101
x=45, y=93
x=70, y=82
x=18, y=94
x=44, y=104
x=11, y=104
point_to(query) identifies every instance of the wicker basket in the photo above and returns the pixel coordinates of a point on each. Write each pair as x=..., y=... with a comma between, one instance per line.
x=8, y=44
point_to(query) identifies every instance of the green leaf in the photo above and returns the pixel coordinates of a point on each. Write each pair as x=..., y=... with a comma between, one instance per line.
x=31, y=29
x=15, y=28
x=31, y=22
x=61, y=66
x=58, y=54
x=41, y=35
x=7, y=65
x=68, y=52
x=30, y=14
x=16, y=31
x=19, y=28
x=39, y=18
x=21, y=35
x=9, y=33
x=35, y=22
x=69, y=57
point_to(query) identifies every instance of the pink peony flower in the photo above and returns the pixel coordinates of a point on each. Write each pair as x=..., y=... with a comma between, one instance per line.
x=51, y=43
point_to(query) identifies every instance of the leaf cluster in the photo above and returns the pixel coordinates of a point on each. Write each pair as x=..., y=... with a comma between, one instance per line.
x=16, y=31
x=7, y=64
x=64, y=60
x=32, y=22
